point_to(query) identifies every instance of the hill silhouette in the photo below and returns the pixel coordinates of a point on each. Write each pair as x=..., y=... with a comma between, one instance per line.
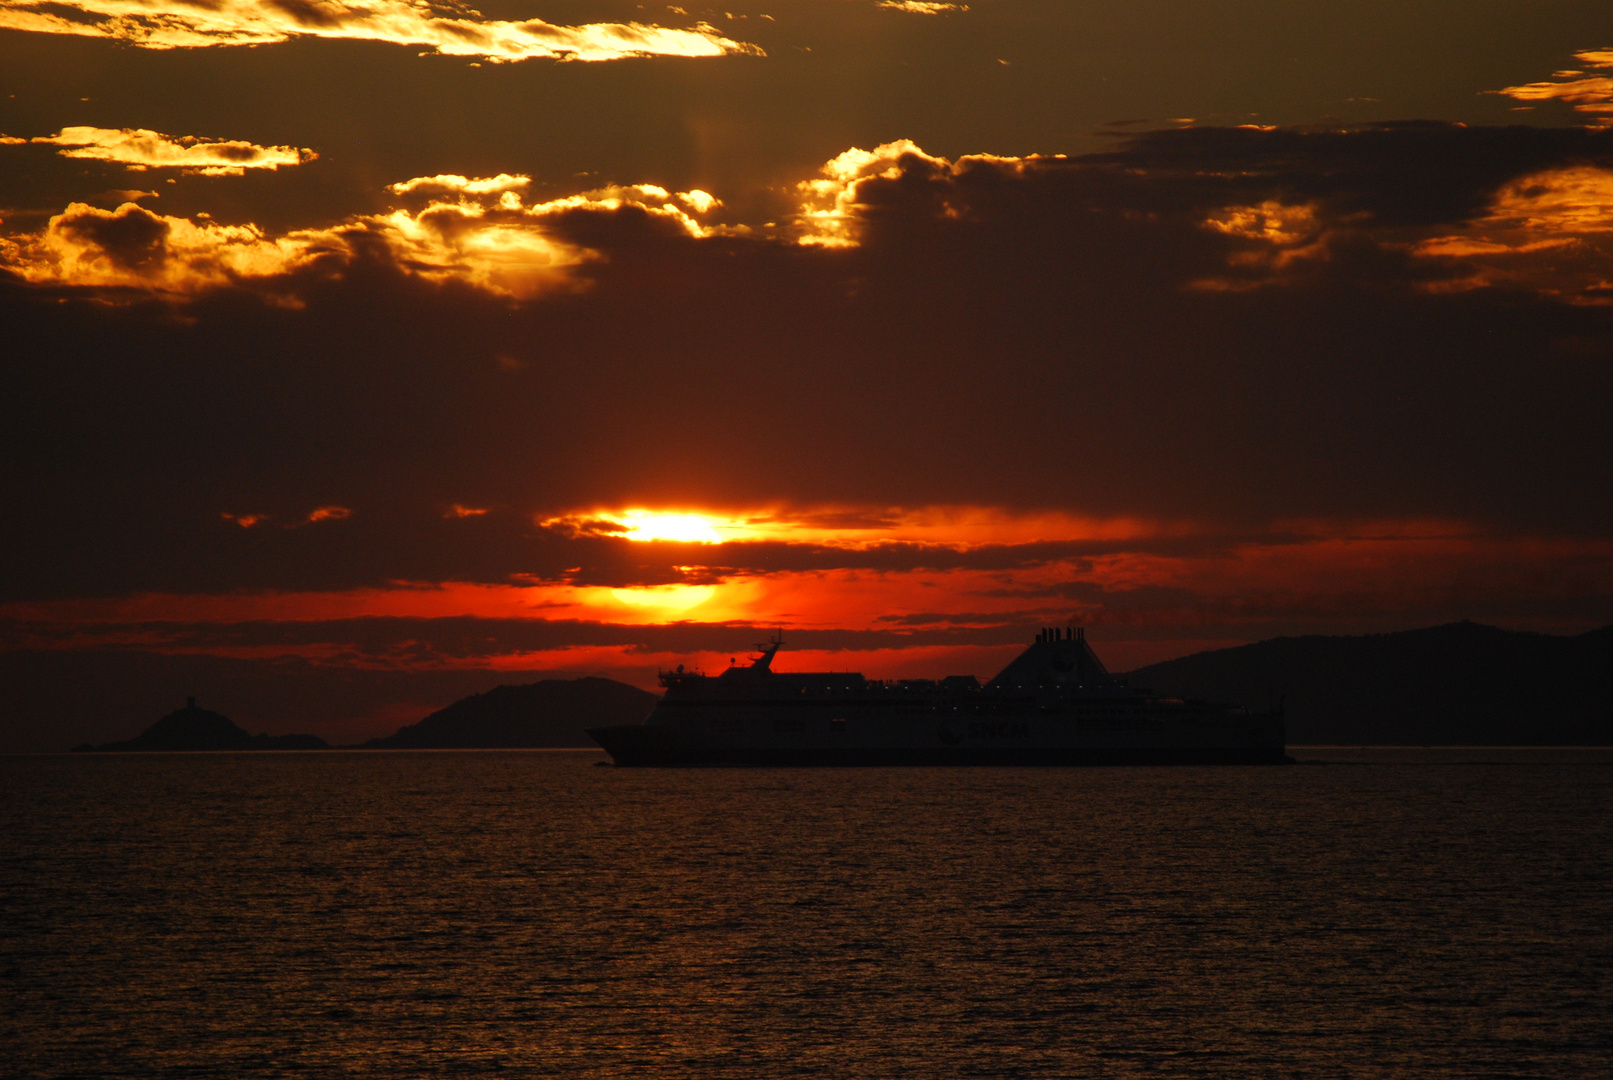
x=552, y=712
x=193, y=728
x=1458, y=684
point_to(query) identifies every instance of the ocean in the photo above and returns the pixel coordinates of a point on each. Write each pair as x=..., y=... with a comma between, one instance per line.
x=425, y=914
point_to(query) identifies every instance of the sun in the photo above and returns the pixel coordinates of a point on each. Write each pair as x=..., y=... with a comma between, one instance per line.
x=644, y=525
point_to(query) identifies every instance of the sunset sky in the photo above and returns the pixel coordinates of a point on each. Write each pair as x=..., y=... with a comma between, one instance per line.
x=358, y=356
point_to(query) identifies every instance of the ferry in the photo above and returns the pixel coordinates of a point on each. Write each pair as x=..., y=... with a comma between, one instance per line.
x=1055, y=704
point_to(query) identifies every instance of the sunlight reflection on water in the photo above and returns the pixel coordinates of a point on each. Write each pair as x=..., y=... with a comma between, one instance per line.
x=425, y=914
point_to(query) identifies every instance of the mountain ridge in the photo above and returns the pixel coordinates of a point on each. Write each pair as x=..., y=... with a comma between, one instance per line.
x=1459, y=683
x=547, y=713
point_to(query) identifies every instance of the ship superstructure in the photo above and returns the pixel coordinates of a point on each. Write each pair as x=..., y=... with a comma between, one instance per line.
x=1055, y=704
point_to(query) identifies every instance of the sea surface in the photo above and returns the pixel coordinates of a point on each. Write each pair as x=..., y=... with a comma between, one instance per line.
x=425, y=914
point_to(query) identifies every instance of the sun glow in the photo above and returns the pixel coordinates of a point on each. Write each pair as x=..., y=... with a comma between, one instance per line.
x=958, y=527
x=1151, y=604
x=675, y=597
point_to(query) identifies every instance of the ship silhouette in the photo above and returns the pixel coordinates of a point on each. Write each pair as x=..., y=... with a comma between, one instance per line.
x=1055, y=704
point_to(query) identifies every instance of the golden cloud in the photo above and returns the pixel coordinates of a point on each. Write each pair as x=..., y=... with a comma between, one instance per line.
x=132, y=247
x=921, y=7
x=446, y=182
x=1589, y=94
x=138, y=149
x=830, y=208
x=495, y=244
x=178, y=25
x=833, y=207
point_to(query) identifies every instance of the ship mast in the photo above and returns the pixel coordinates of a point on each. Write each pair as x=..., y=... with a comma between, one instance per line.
x=768, y=648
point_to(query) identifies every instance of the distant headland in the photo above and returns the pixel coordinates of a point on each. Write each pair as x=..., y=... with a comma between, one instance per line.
x=195, y=728
x=548, y=713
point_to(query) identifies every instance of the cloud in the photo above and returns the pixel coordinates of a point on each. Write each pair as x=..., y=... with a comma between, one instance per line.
x=1328, y=577
x=1393, y=202
x=1017, y=334
x=451, y=32
x=118, y=196
x=833, y=206
x=921, y=7
x=486, y=185
x=138, y=149
x=1287, y=206
x=133, y=248
x=495, y=244
x=1588, y=94
x=1551, y=231
x=1233, y=210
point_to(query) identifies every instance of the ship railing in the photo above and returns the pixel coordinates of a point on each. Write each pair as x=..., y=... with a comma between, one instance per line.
x=666, y=677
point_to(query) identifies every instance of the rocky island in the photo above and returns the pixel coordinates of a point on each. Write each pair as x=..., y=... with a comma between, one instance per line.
x=195, y=728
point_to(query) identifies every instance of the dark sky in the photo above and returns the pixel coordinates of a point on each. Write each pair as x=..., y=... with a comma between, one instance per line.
x=357, y=357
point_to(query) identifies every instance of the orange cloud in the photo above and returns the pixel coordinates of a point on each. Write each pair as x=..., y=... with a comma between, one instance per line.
x=1589, y=94
x=323, y=513
x=138, y=149
x=1552, y=232
x=1280, y=234
x=455, y=31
